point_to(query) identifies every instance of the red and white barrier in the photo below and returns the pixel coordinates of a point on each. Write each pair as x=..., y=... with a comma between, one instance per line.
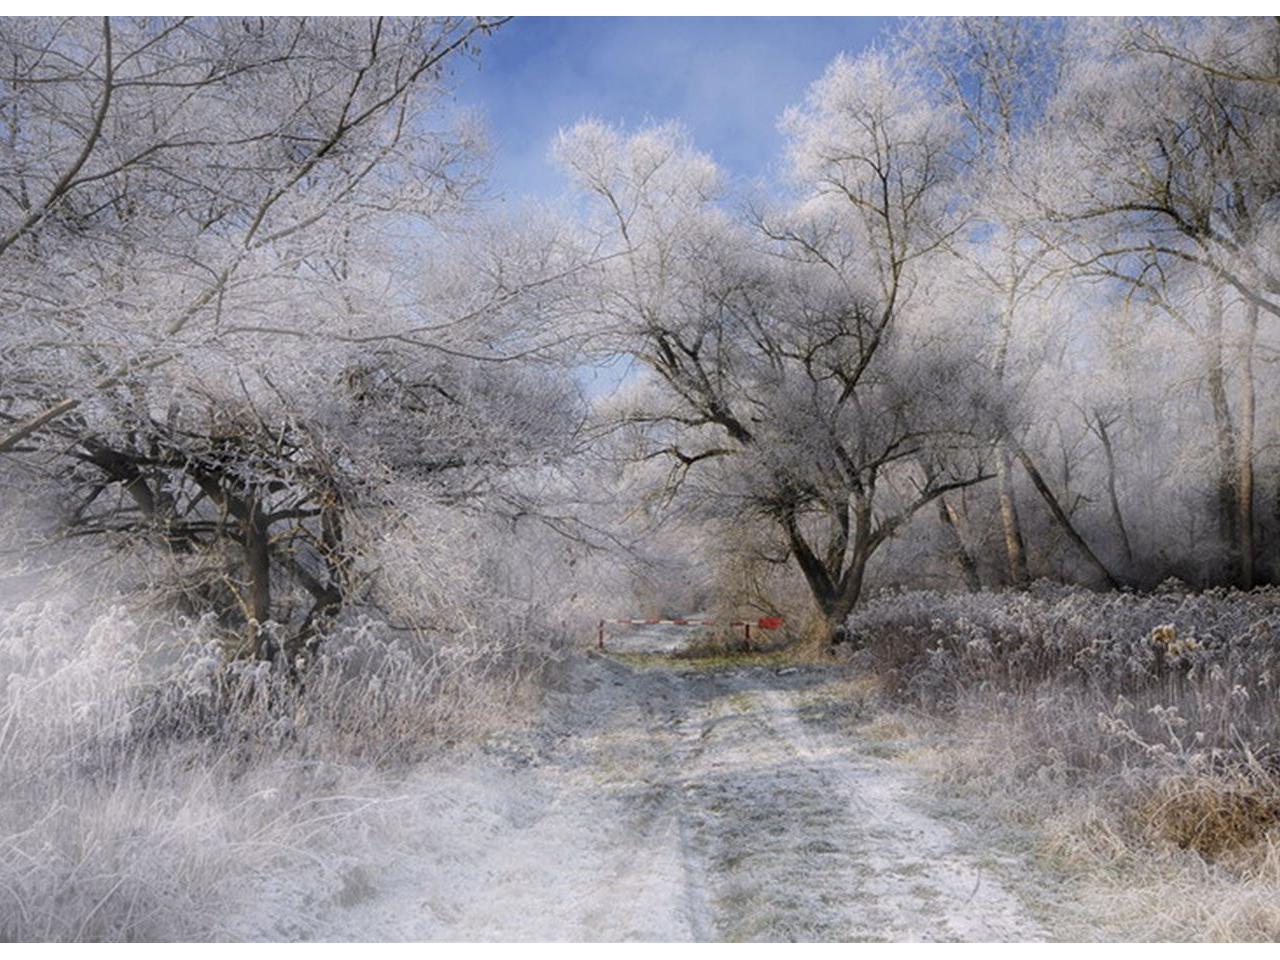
x=764, y=623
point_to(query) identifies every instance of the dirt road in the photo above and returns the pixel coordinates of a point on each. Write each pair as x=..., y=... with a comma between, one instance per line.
x=660, y=800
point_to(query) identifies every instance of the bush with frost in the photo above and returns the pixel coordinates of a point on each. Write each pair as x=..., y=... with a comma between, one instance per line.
x=1128, y=664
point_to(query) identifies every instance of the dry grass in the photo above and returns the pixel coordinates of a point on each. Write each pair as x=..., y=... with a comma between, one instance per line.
x=1129, y=872
x=1134, y=737
x=155, y=790
x=1211, y=815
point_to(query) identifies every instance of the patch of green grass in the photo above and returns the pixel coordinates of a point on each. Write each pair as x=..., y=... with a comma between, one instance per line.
x=741, y=701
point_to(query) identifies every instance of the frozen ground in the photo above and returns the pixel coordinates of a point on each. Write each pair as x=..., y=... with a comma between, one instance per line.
x=660, y=802
x=651, y=638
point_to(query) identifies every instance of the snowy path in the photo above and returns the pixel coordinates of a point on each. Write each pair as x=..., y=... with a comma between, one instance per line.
x=667, y=804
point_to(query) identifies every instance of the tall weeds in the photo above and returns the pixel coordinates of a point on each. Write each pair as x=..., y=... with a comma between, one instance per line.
x=154, y=788
x=1138, y=734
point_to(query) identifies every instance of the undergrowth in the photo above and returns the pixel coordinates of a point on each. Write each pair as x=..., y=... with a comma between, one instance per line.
x=156, y=789
x=1139, y=735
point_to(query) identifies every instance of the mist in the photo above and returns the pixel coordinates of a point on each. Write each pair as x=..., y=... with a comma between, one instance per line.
x=325, y=465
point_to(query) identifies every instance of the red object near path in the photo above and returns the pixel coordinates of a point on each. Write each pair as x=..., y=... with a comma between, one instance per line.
x=769, y=623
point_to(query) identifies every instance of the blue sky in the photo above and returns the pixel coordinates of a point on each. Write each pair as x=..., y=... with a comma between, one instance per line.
x=727, y=79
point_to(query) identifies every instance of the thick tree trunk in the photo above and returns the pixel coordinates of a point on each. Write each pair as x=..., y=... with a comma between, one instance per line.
x=257, y=549
x=1014, y=546
x=837, y=605
x=835, y=593
x=951, y=523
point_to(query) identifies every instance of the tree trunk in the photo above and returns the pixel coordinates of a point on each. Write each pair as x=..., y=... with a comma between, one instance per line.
x=1244, y=450
x=1014, y=545
x=1064, y=521
x=837, y=605
x=1015, y=551
x=257, y=551
x=834, y=593
x=1116, y=513
x=1227, y=495
x=950, y=522
x=1015, y=548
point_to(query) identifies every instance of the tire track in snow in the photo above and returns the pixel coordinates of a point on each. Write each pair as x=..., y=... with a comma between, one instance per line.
x=664, y=804
x=928, y=888
x=678, y=753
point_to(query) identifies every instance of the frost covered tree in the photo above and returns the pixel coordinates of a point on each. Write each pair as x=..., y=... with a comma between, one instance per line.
x=1154, y=171
x=169, y=183
x=231, y=314
x=798, y=375
x=996, y=74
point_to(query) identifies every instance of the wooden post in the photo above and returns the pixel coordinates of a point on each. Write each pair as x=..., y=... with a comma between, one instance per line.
x=600, y=635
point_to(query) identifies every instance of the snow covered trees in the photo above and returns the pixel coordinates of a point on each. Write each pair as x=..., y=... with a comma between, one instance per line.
x=1154, y=172
x=1022, y=250
x=230, y=320
x=172, y=183
x=244, y=301
x=794, y=354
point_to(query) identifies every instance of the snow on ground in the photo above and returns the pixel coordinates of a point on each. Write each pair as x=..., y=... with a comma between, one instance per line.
x=651, y=638
x=655, y=803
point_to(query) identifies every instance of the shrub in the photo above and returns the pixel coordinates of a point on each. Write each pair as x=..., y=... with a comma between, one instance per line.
x=1166, y=697
x=153, y=786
